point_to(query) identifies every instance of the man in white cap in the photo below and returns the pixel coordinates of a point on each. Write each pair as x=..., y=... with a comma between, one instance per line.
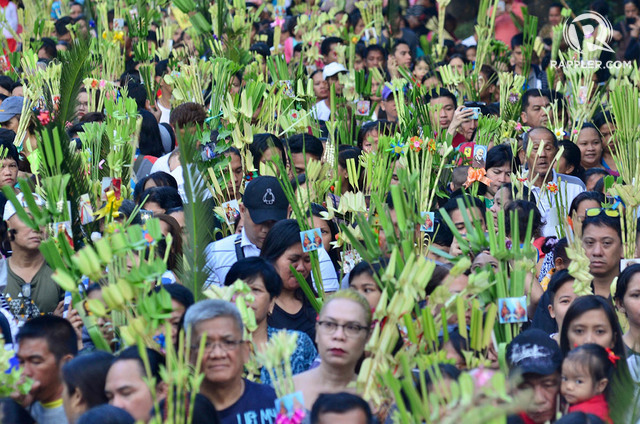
x=25, y=277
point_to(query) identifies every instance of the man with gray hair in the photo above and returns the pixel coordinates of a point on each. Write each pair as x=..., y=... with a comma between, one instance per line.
x=237, y=400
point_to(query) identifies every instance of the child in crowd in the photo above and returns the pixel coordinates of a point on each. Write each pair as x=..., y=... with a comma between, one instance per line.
x=586, y=372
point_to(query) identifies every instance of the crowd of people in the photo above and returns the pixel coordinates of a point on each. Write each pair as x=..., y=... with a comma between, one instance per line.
x=318, y=211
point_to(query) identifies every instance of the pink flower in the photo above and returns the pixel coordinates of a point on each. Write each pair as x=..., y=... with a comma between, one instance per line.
x=44, y=117
x=278, y=22
x=518, y=126
x=102, y=83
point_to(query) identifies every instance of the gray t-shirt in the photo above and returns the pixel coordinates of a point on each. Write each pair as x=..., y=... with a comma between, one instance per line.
x=50, y=414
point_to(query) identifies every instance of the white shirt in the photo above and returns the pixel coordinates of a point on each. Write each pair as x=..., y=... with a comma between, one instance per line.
x=321, y=111
x=568, y=187
x=221, y=255
x=162, y=165
x=166, y=113
x=470, y=41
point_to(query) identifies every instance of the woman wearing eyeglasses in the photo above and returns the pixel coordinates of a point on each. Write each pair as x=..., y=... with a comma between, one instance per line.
x=342, y=331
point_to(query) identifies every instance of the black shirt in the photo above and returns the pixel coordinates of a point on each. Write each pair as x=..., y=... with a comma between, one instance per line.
x=304, y=320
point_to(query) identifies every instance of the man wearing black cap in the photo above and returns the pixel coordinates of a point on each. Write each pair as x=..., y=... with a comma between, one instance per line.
x=263, y=204
x=535, y=359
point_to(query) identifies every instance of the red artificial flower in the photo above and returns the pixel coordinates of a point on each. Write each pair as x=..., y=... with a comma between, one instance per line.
x=552, y=187
x=44, y=117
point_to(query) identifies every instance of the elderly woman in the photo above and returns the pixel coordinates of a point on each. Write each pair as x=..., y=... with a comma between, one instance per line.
x=343, y=328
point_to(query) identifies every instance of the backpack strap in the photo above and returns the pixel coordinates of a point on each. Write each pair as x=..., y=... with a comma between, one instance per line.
x=236, y=243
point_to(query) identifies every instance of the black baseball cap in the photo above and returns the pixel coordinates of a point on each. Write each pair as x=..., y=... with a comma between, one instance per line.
x=265, y=200
x=534, y=352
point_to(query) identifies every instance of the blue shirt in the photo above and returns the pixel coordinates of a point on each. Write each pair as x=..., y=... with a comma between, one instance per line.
x=302, y=357
x=256, y=405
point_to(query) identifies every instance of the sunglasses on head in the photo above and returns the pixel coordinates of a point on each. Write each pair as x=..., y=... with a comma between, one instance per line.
x=613, y=213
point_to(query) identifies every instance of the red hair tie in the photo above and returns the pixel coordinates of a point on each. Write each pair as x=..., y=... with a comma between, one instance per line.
x=612, y=356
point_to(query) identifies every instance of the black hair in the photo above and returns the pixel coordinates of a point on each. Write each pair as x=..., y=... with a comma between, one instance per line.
x=126, y=208
x=156, y=360
x=334, y=254
x=594, y=171
x=501, y=155
x=603, y=220
x=338, y=403
x=601, y=118
x=325, y=47
x=585, y=304
x=248, y=269
x=49, y=47
x=578, y=417
x=179, y=293
x=7, y=138
x=354, y=17
x=366, y=129
x=468, y=201
x=526, y=193
x=459, y=56
x=160, y=179
x=534, y=92
x=523, y=210
x=559, y=249
x=441, y=92
x=61, y=25
x=624, y=279
x=106, y=414
x=149, y=141
x=558, y=279
x=596, y=360
x=6, y=82
x=261, y=143
x=261, y=48
x=555, y=4
x=166, y=197
x=130, y=76
x=374, y=48
x=397, y=42
x=517, y=40
x=88, y=373
x=60, y=336
x=162, y=67
x=351, y=153
x=490, y=72
x=585, y=195
x=283, y=235
x=370, y=269
x=572, y=156
x=307, y=142
x=600, y=6
x=14, y=413
x=446, y=370
x=442, y=235
x=138, y=93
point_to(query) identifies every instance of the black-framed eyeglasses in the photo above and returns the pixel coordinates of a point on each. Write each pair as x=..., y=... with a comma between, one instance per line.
x=350, y=329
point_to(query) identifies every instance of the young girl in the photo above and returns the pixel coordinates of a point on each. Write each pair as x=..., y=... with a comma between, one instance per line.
x=420, y=69
x=586, y=372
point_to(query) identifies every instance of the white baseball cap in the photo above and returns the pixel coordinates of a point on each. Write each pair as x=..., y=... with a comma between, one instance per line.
x=332, y=69
x=10, y=210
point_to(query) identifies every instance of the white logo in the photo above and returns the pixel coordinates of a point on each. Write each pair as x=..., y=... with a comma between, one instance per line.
x=595, y=37
x=269, y=198
x=528, y=351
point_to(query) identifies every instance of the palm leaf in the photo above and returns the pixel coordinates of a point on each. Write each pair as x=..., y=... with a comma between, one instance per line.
x=198, y=217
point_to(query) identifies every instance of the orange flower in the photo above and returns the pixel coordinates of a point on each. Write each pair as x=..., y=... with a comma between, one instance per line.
x=552, y=187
